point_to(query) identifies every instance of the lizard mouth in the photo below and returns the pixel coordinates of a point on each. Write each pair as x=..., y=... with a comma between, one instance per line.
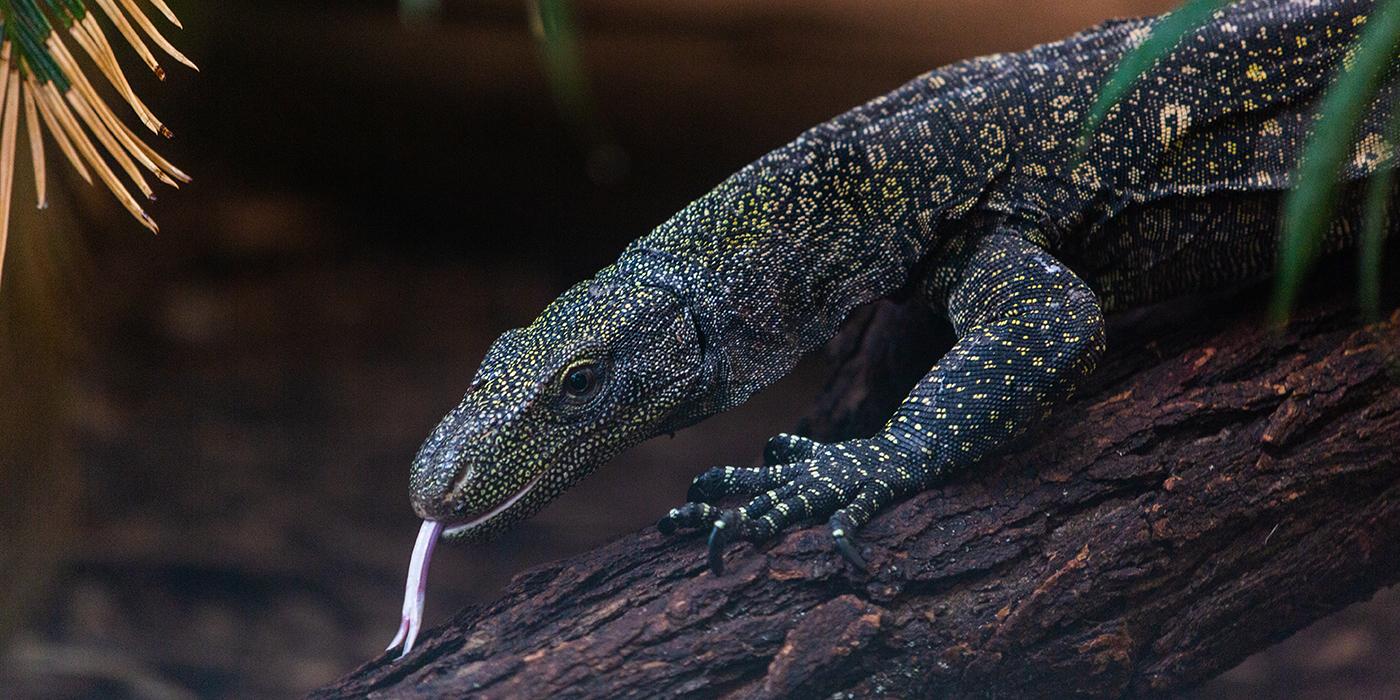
x=458, y=530
x=417, y=583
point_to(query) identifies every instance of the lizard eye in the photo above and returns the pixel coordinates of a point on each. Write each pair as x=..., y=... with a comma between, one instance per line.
x=581, y=381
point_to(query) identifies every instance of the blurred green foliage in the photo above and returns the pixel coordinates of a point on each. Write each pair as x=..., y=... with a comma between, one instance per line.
x=419, y=10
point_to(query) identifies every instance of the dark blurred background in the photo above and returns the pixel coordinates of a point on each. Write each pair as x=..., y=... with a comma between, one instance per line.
x=205, y=435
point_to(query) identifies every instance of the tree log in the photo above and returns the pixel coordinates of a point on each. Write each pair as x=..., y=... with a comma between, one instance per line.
x=1216, y=487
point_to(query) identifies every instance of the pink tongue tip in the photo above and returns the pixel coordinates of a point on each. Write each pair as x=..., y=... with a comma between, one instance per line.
x=416, y=586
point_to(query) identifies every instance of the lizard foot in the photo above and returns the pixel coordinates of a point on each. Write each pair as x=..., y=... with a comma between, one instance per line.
x=802, y=479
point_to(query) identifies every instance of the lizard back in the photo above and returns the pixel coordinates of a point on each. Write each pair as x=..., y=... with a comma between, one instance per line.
x=1181, y=185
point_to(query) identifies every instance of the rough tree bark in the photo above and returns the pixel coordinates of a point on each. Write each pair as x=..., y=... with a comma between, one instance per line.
x=1215, y=488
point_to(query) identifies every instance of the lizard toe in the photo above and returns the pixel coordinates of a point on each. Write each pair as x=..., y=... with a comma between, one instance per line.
x=689, y=515
x=784, y=448
x=717, y=482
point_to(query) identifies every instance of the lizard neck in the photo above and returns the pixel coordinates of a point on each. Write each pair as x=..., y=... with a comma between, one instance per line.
x=776, y=257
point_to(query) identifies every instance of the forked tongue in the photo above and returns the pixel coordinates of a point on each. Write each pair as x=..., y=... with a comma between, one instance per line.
x=416, y=586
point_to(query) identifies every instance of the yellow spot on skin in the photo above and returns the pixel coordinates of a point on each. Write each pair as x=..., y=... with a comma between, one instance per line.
x=1172, y=123
x=1256, y=73
x=1371, y=150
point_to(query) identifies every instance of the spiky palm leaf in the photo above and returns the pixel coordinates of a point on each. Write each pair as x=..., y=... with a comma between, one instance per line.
x=43, y=85
x=1310, y=206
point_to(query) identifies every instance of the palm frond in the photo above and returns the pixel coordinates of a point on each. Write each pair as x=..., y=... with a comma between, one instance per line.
x=43, y=85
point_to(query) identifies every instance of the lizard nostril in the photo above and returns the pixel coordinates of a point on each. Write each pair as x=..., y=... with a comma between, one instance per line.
x=468, y=471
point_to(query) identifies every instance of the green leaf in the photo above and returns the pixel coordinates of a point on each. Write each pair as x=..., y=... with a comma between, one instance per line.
x=1375, y=227
x=1308, y=209
x=419, y=10
x=1166, y=33
x=552, y=23
x=1373, y=231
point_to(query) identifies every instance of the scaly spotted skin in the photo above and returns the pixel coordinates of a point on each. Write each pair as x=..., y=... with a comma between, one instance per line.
x=955, y=187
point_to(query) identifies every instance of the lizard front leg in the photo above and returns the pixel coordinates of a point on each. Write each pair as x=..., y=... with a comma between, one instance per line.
x=1028, y=330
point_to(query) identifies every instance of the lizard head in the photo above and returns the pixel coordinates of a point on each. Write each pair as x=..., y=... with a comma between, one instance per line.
x=603, y=368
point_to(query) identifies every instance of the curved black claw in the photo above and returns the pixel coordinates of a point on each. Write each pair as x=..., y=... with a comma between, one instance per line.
x=721, y=535
x=848, y=550
x=843, y=529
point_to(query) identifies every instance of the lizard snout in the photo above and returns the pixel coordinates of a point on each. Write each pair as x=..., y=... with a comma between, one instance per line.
x=439, y=470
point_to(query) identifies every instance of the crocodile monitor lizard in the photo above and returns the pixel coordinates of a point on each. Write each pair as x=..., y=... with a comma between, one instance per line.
x=962, y=188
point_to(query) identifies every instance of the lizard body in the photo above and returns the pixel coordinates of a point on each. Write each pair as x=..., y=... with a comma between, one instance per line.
x=955, y=187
